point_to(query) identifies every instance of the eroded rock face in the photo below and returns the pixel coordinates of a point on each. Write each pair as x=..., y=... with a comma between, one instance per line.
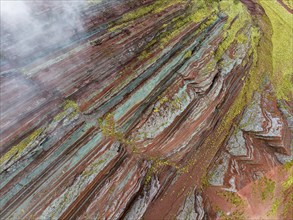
x=125, y=111
x=250, y=161
x=251, y=151
x=194, y=208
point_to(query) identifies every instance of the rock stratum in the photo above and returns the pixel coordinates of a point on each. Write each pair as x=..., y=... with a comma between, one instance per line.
x=147, y=109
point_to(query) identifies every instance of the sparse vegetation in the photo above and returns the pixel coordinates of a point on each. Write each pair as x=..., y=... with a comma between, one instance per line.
x=282, y=56
x=70, y=110
x=96, y=42
x=91, y=170
x=156, y=164
x=274, y=208
x=196, y=12
x=288, y=183
x=108, y=127
x=288, y=205
x=289, y=3
x=288, y=165
x=156, y=7
x=236, y=215
x=264, y=188
x=188, y=54
x=232, y=198
x=175, y=102
x=159, y=163
x=204, y=182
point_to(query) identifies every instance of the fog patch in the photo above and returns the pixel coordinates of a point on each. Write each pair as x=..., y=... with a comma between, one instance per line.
x=31, y=29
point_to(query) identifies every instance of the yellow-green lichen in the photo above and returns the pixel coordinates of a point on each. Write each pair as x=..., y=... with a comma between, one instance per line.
x=196, y=12
x=158, y=163
x=282, y=40
x=237, y=18
x=288, y=205
x=17, y=150
x=288, y=182
x=232, y=198
x=108, y=128
x=265, y=188
x=288, y=165
x=241, y=38
x=205, y=181
x=187, y=54
x=275, y=206
x=68, y=105
x=289, y=3
x=156, y=7
x=91, y=170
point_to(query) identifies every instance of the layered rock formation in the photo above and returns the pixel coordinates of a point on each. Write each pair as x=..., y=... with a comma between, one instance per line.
x=142, y=109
